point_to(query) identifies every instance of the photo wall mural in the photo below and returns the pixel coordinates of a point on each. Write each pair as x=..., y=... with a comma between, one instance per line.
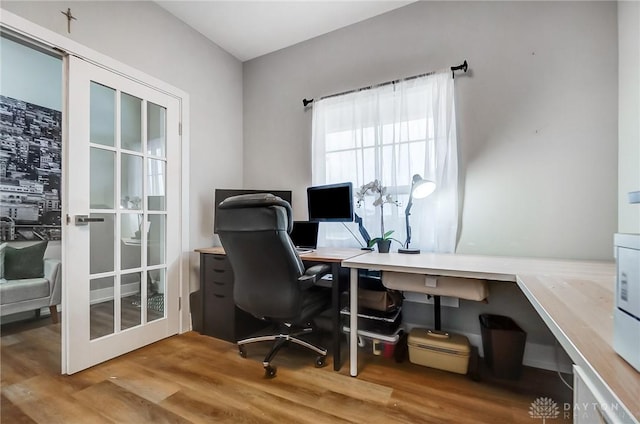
x=30, y=171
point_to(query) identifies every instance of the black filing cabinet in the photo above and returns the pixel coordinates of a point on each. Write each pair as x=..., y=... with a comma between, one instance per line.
x=220, y=316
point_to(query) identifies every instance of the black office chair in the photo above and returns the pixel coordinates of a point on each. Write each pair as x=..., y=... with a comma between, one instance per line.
x=270, y=281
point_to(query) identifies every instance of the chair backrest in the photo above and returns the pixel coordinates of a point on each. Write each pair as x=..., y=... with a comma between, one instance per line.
x=254, y=231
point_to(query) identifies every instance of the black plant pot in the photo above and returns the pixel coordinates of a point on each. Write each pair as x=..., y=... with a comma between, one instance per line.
x=383, y=246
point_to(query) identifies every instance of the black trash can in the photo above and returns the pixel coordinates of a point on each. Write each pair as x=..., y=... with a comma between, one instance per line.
x=503, y=342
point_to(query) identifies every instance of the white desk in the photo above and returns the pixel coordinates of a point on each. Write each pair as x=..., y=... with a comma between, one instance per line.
x=574, y=298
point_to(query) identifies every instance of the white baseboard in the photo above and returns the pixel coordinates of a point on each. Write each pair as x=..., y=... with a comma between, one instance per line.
x=547, y=357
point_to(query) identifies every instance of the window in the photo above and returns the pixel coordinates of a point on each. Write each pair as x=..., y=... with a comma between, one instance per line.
x=390, y=133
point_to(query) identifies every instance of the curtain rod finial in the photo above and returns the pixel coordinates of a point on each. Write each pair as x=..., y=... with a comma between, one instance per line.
x=306, y=102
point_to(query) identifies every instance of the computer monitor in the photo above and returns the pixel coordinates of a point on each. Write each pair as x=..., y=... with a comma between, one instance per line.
x=305, y=234
x=330, y=203
x=222, y=193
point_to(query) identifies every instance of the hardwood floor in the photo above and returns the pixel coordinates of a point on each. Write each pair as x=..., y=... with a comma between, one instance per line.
x=198, y=379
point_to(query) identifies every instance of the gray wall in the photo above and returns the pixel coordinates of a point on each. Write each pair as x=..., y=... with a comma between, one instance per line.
x=146, y=37
x=537, y=114
x=629, y=113
x=536, y=120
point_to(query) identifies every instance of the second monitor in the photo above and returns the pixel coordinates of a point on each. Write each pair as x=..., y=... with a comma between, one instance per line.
x=304, y=235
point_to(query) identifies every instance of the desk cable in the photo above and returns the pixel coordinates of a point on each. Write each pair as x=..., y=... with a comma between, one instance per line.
x=556, y=347
x=354, y=236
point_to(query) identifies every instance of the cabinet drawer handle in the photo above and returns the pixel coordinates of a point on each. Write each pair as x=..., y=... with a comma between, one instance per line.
x=219, y=283
x=219, y=258
x=219, y=295
x=218, y=270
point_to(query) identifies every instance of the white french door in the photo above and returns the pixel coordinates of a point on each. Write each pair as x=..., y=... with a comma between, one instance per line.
x=121, y=246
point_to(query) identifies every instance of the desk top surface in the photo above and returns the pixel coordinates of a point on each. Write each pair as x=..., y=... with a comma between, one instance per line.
x=574, y=298
x=321, y=254
x=580, y=310
x=498, y=268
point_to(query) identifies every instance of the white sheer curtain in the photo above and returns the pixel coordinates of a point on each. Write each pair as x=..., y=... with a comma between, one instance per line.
x=390, y=133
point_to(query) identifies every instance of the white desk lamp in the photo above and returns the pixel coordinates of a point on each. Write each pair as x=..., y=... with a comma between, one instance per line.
x=420, y=188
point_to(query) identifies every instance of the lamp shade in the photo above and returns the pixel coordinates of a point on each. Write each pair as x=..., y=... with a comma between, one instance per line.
x=421, y=188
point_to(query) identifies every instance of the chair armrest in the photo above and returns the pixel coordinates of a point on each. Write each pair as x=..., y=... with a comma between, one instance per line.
x=313, y=274
x=53, y=273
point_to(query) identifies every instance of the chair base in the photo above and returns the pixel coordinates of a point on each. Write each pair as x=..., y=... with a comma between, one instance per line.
x=280, y=340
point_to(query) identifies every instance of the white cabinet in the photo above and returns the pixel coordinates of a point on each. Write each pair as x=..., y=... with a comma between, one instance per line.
x=626, y=314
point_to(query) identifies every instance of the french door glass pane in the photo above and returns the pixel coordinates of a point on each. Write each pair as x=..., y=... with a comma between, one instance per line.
x=131, y=182
x=102, y=163
x=156, y=130
x=102, y=120
x=130, y=122
x=101, y=243
x=130, y=300
x=156, y=240
x=101, y=312
x=131, y=244
x=156, y=183
x=155, y=304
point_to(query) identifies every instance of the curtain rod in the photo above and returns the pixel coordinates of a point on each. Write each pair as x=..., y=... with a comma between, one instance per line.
x=463, y=67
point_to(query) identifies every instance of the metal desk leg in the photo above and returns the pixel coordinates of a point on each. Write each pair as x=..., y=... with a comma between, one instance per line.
x=353, y=316
x=337, y=331
x=436, y=313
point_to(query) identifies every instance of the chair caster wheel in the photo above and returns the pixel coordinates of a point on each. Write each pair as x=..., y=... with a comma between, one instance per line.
x=269, y=371
x=242, y=351
x=321, y=361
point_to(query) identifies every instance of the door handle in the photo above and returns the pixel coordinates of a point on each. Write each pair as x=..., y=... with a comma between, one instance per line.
x=85, y=220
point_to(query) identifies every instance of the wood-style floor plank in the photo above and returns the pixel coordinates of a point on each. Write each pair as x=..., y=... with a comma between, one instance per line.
x=55, y=408
x=203, y=406
x=10, y=413
x=197, y=379
x=120, y=405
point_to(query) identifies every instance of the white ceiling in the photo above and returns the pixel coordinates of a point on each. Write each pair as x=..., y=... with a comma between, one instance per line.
x=248, y=29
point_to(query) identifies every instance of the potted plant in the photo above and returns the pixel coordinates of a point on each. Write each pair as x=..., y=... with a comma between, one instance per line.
x=376, y=188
